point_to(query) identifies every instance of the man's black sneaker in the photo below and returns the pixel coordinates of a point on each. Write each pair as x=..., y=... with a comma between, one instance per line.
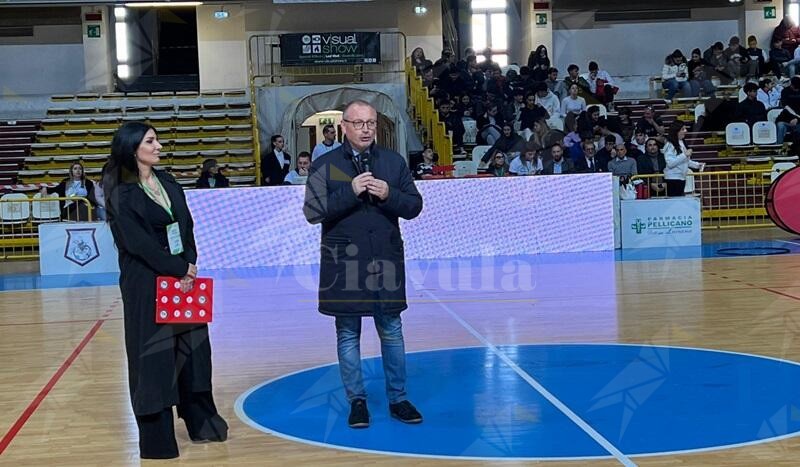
x=359, y=415
x=405, y=412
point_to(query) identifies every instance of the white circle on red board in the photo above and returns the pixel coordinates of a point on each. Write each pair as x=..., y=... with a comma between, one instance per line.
x=202, y=313
x=188, y=313
x=163, y=314
x=177, y=313
x=189, y=299
x=164, y=299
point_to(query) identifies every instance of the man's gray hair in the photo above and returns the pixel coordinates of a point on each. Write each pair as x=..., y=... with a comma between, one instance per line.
x=357, y=102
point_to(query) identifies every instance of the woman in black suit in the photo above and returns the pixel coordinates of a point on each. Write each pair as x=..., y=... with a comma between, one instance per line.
x=168, y=364
x=275, y=163
x=76, y=185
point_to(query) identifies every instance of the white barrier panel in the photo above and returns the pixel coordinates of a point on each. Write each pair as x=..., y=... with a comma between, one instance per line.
x=254, y=227
x=76, y=248
x=666, y=222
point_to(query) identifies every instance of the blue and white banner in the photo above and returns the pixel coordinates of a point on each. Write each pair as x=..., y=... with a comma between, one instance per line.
x=648, y=223
x=76, y=248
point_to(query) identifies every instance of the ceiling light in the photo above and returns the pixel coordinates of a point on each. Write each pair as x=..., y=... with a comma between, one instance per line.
x=161, y=4
x=420, y=9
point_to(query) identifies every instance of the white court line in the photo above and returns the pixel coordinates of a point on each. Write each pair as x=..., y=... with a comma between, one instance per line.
x=599, y=439
x=787, y=241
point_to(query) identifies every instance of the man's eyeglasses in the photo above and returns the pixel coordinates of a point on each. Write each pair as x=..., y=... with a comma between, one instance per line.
x=359, y=124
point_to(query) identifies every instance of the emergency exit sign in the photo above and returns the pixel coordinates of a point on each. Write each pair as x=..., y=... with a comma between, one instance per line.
x=770, y=12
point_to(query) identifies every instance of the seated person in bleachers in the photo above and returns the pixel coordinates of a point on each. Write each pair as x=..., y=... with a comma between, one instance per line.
x=528, y=162
x=427, y=77
x=541, y=133
x=737, y=58
x=418, y=60
x=74, y=186
x=777, y=57
x=675, y=74
x=299, y=175
x=487, y=63
x=531, y=112
x=100, y=199
x=327, y=144
x=275, y=162
x=591, y=121
x=601, y=85
x=606, y=153
x=622, y=165
x=539, y=63
x=636, y=146
x=573, y=103
x=572, y=136
x=549, y=102
x=769, y=94
x=465, y=108
x=699, y=82
x=650, y=124
x=573, y=77
x=509, y=142
x=496, y=85
x=452, y=122
x=428, y=162
x=211, y=177
x=622, y=124
x=554, y=84
x=446, y=59
x=719, y=63
x=652, y=162
x=453, y=82
x=490, y=125
x=789, y=117
x=498, y=165
x=513, y=109
x=476, y=76
x=756, y=65
x=576, y=151
x=588, y=163
x=751, y=110
x=558, y=164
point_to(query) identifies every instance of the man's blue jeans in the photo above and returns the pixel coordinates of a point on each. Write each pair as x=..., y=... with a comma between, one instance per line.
x=393, y=353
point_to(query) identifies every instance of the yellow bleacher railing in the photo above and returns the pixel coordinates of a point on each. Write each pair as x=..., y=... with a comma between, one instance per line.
x=19, y=233
x=426, y=117
x=732, y=199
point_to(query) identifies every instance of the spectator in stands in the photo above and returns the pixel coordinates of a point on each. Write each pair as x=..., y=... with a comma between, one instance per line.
x=531, y=113
x=168, y=365
x=418, y=60
x=427, y=77
x=550, y=103
x=275, y=163
x=607, y=152
x=487, y=63
x=469, y=52
x=591, y=122
x=539, y=63
x=496, y=85
x=576, y=152
x=587, y=163
x=477, y=76
x=453, y=82
x=678, y=159
x=100, y=199
x=211, y=177
x=452, y=122
x=499, y=165
x=526, y=162
x=573, y=77
x=447, y=58
x=573, y=103
x=512, y=111
x=737, y=58
x=509, y=142
x=778, y=56
x=652, y=162
x=490, y=125
x=639, y=141
x=791, y=66
x=768, y=94
x=554, y=85
x=328, y=142
x=299, y=175
x=756, y=65
x=751, y=110
x=572, y=136
x=558, y=165
x=675, y=74
x=622, y=165
x=601, y=85
x=719, y=63
x=429, y=159
x=699, y=81
x=788, y=118
x=624, y=125
x=650, y=124
x=541, y=133
x=465, y=108
x=74, y=186
x=788, y=33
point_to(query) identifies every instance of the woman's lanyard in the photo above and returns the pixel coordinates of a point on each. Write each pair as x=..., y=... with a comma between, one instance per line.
x=173, y=229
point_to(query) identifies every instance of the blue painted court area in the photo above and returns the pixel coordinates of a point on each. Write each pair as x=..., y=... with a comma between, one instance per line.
x=642, y=400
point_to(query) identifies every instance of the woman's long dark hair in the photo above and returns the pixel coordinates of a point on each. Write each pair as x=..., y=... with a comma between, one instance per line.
x=121, y=166
x=83, y=173
x=672, y=135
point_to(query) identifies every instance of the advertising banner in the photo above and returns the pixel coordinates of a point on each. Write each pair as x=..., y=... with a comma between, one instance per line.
x=648, y=223
x=330, y=48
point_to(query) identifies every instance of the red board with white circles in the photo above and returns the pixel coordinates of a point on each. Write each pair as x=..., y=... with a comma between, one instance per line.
x=175, y=307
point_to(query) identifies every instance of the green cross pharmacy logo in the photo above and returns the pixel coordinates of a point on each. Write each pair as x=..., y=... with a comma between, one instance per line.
x=638, y=226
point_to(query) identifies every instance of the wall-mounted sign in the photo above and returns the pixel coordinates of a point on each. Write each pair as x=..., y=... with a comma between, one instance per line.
x=770, y=12
x=541, y=19
x=93, y=30
x=330, y=48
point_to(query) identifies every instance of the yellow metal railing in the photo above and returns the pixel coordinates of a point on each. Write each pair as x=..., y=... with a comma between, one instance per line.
x=733, y=199
x=20, y=219
x=426, y=117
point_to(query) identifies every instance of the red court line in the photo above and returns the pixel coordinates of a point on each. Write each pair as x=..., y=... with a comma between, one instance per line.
x=28, y=412
x=780, y=293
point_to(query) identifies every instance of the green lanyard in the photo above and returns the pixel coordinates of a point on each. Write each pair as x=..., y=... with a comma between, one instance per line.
x=152, y=196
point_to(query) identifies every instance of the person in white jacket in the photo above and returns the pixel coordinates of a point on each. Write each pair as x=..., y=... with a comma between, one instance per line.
x=551, y=104
x=678, y=158
x=675, y=74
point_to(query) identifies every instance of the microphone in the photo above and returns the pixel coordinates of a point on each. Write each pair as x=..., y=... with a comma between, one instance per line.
x=356, y=160
x=365, y=162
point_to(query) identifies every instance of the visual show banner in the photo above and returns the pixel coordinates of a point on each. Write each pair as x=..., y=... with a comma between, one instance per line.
x=330, y=48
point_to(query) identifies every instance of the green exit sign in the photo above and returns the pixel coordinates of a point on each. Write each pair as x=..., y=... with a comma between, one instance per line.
x=93, y=30
x=770, y=12
x=541, y=19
